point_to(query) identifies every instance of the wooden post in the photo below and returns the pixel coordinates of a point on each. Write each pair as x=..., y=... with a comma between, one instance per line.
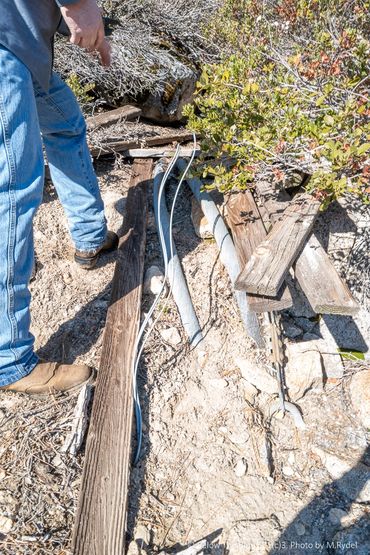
x=325, y=290
x=101, y=517
x=265, y=271
x=248, y=232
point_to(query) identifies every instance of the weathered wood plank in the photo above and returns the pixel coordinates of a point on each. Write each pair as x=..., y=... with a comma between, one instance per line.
x=325, y=290
x=265, y=271
x=119, y=146
x=101, y=517
x=113, y=116
x=248, y=232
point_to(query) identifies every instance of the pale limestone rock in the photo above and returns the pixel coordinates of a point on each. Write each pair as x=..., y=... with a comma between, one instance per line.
x=6, y=524
x=360, y=396
x=304, y=369
x=352, y=477
x=171, y=336
x=257, y=376
x=241, y=468
x=201, y=226
x=153, y=281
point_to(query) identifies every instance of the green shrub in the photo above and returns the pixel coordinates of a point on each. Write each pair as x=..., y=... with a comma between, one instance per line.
x=291, y=93
x=81, y=91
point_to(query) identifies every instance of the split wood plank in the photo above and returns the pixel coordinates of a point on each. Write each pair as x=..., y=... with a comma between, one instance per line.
x=118, y=146
x=248, y=232
x=101, y=518
x=124, y=113
x=325, y=290
x=265, y=271
x=158, y=152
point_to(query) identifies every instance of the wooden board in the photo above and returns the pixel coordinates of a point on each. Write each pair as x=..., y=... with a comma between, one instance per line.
x=124, y=113
x=101, y=518
x=266, y=269
x=325, y=290
x=248, y=232
x=119, y=146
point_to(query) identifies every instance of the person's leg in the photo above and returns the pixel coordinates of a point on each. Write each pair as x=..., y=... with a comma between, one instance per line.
x=64, y=134
x=21, y=184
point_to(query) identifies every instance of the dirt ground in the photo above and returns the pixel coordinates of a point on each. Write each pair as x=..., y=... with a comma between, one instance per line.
x=218, y=461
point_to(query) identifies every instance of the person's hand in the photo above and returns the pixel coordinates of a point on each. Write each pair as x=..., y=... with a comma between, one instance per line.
x=85, y=23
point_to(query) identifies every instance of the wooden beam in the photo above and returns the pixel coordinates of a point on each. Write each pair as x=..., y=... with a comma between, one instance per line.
x=265, y=271
x=248, y=232
x=124, y=113
x=158, y=152
x=326, y=292
x=119, y=146
x=101, y=517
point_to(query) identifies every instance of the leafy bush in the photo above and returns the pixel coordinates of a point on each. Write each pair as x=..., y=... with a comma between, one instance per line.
x=291, y=93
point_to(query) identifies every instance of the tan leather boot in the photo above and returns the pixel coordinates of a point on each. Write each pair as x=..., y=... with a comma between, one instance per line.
x=88, y=259
x=51, y=377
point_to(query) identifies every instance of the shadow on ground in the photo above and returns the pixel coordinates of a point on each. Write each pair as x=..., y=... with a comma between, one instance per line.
x=319, y=529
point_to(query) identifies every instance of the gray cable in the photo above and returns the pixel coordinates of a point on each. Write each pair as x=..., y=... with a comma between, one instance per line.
x=228, y=254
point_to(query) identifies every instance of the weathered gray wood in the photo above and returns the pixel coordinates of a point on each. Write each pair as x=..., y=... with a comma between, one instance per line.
x=100, y=523
x=325, y=290
x=158, y=152
x=248, y=232
x=124, y=113
x=265, y=271
x=119, y=146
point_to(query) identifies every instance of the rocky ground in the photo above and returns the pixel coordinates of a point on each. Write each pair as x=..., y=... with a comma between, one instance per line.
x=219, y=462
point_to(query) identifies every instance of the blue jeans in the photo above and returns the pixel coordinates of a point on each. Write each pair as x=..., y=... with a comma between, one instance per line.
x=25, y=111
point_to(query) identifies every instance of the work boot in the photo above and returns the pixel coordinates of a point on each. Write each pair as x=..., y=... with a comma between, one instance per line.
x=88, y=259
x=51, y=377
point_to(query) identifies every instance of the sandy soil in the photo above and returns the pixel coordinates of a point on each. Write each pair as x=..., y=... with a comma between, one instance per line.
x=217, y=462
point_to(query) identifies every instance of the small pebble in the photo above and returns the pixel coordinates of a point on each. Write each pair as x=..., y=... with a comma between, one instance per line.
x=241, y=468
x=6, y=524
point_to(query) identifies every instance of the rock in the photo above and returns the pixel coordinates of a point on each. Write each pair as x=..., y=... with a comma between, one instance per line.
x=250, y=391
x=310, y=337
x=353, y=540
x=218, y=383
x=241, y=468
x=337, y=515
x=200, y=223
x=133, y=549
x=346, y=332
x=171, y=336
x=57, y=460
x=166, y=105
x=304, y=369
x=2, y=474
x=300, y=528
x=6, y=524
x=202, y=357
x=153, y=281
x=306, y=324
x=360, y=396
x=257, y=376
x=352, y=478
x=291, y=330
x=287, y=470
x=301, y=306
x=142, y=536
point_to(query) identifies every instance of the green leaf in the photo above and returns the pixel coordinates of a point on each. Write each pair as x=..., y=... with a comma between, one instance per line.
x=347, y=354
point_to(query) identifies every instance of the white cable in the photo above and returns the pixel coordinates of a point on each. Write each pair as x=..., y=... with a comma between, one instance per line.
x=138, y=351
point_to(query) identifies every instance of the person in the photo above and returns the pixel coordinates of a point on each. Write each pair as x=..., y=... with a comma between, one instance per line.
x=37, y=107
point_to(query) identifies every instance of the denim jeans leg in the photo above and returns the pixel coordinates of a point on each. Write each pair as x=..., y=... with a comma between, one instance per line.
x=64, y=134
x=21, y=184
